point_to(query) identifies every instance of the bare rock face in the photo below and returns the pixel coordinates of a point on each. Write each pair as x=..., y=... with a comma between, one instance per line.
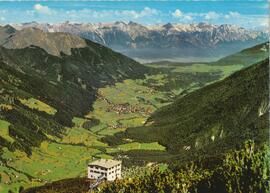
x=136, y=40
x=53, y=43
x=5, y=32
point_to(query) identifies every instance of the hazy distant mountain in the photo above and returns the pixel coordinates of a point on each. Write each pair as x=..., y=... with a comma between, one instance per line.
x=162, y=41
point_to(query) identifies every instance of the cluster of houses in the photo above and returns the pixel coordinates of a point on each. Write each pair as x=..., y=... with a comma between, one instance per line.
x=125, y=108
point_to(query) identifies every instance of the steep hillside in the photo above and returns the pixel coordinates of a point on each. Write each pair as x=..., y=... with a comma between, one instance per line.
x=40, y=93
x=213, y=119
x=244, y=170
x=247, y=56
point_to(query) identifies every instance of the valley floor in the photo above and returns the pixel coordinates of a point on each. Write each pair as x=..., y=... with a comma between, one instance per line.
x=126, y=104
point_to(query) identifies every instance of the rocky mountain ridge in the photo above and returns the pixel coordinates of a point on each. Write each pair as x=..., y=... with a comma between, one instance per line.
x=161, y=40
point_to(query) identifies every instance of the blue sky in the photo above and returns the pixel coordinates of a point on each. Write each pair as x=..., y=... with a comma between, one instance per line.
x=249, y=14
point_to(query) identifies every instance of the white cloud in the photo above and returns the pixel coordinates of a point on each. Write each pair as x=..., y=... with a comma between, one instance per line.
x=121, y=14
x=138, y=14
x=145, y=15
x=2, y=18
x=264, y=22
x=188, y=17
x=232, y=14
x=184, y=17
x=42, y=9
x=211, y=15
x=177, y=13
x=149, y=12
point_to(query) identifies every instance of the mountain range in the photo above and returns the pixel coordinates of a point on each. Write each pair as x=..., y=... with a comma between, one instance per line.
x=163, y=41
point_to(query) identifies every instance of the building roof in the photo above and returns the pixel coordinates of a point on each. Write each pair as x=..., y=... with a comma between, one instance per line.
x=105, y=163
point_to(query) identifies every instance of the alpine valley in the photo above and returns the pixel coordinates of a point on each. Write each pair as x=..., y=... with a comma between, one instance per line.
x=67, y=99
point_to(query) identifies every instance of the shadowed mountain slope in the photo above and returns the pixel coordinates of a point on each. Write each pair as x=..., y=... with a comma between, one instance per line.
x=213, y=119
x=86, y=68
x=59, y=87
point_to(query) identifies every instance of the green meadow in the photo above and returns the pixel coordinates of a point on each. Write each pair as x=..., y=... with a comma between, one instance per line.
x=135, y=146
x=4, y=131
x=225, y=70
x=38, y=105
x=195, y=68
x=126, y=104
